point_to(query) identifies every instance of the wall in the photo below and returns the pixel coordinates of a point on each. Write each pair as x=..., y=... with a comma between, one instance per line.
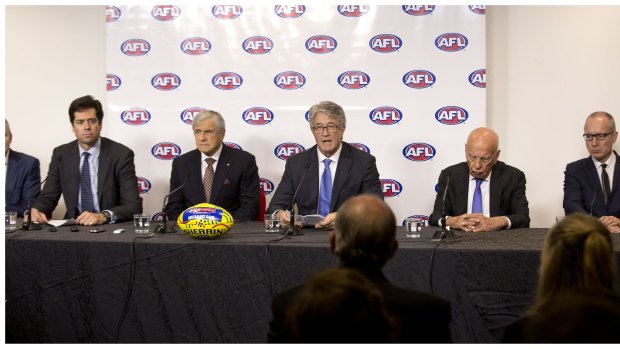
x=548, y=67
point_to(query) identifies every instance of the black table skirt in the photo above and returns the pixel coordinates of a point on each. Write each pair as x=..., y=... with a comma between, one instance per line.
x=70, y=287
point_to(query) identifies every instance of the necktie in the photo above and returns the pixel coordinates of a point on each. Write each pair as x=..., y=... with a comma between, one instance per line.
x=207, y=180
x=85, y=188
x=605, y=180
x=476, y=206
x=325, y=192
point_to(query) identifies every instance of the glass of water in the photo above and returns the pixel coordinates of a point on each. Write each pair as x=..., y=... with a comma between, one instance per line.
x=272, y=223
x=141, y=222
x=413, y=227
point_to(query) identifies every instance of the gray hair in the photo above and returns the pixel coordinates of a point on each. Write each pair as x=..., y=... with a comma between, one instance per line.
x=610, y=118
x=331, y=109
x=220, y=124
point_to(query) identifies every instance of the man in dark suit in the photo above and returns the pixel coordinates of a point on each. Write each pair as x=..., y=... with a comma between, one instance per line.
x=365, y=239
x=483, y=194
x=214, y=173
x=350, y=171
x=23, y=177
x=95, y=175
x=590, y=184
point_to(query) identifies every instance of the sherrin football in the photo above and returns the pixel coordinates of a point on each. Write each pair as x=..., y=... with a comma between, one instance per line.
x=205, y=221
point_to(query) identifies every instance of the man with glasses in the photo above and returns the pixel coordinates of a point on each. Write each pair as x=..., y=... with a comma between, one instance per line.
x=95, y=175
x=326, y=175
x=483, y=194
x=590, y=183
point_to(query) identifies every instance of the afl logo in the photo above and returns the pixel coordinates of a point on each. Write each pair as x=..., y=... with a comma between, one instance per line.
x=165, y=12
x=419, y=79
x=135, y=116
x=266, y=186
x=289, y=80
x=257, y=116
x=361, y=147
x=353, y=10
x=195, y=46
x=385, y=115
x=423, y=218
x=385, y=43
x=479, y=9
x=418, y=10
x=307, y=116
x=478, y=78
x=144, y=185
x=391, y=187
x=321, y=44
x=289, y=11
x=286, y=150
x=227, y=11
x=135, y=47
x=166, y=81
x=227, y=80
x=112, y=13
x=419, y=152
x=257, y=45
x=451, y=42
x=233, y=145
x=187, y=115
x=166, y=151
x=353, y=79
x=451, y=115
x=113, y=82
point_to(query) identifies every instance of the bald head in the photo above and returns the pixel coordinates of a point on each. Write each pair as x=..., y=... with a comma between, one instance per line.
x=482, y=151
x=365, y=233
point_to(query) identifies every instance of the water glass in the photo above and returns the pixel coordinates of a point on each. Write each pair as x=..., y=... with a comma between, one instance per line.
x=141, y=222
x=272, y=223
x=413, y=227
x=10, y=221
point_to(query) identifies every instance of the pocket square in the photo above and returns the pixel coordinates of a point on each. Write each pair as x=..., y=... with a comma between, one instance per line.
x=226, y=181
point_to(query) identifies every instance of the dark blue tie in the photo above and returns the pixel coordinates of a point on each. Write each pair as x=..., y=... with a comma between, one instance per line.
x=85, y=188
x=325, y=197
x=476, y=206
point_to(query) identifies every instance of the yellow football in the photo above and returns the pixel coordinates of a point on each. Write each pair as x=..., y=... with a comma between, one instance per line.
x=205, y=221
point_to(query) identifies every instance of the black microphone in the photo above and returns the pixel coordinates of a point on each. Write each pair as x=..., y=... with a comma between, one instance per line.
x=592, y=202
x=27, y=224
x=443, y=233
x=164, y=227
x=292, y=231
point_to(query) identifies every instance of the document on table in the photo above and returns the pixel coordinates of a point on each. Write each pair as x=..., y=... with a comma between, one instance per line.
x=62, y=222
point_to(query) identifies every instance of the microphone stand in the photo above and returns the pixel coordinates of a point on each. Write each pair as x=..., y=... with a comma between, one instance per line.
x=444, y=233
x=291, y=230
x=27, y=224
x=164, y=227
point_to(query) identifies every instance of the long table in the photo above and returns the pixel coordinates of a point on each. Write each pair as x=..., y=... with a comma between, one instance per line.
x=71, y=287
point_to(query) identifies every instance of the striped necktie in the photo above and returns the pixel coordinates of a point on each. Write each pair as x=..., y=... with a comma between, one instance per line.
x=85, y=188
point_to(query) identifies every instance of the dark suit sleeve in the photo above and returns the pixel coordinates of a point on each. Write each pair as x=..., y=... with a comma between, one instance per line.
x=519, y=212
x=371, y=183
x=129, y=199
x=284, y=193
x=438, y=206
x=50, y=194
x=573, y=191
x=249, y=192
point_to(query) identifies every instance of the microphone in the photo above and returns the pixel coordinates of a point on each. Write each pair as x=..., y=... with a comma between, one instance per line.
x=443, y=233
x=27, y=224
x=164, y=227
x=592, y=202
x=292, y=231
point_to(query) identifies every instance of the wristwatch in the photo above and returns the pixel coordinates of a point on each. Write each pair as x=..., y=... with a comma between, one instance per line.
x=108, y=216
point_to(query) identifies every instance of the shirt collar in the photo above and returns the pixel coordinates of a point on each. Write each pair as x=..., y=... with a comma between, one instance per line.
x=93, y=151
x=215, y=155
x=485, y=179
x=611, y=161
x=334, y=158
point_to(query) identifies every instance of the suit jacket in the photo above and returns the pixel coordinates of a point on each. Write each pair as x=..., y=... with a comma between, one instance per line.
x=506, y=194
x=419, y=317
x=236, y=186
x=356, y=174
x=23, y=182
x=583, y=191
x=117, y=186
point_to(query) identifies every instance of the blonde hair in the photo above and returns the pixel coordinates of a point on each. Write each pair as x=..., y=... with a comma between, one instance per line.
x=577, y=254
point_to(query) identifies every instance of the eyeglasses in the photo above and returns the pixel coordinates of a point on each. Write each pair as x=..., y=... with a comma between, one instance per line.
x=331, y=128
x=599, y=136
